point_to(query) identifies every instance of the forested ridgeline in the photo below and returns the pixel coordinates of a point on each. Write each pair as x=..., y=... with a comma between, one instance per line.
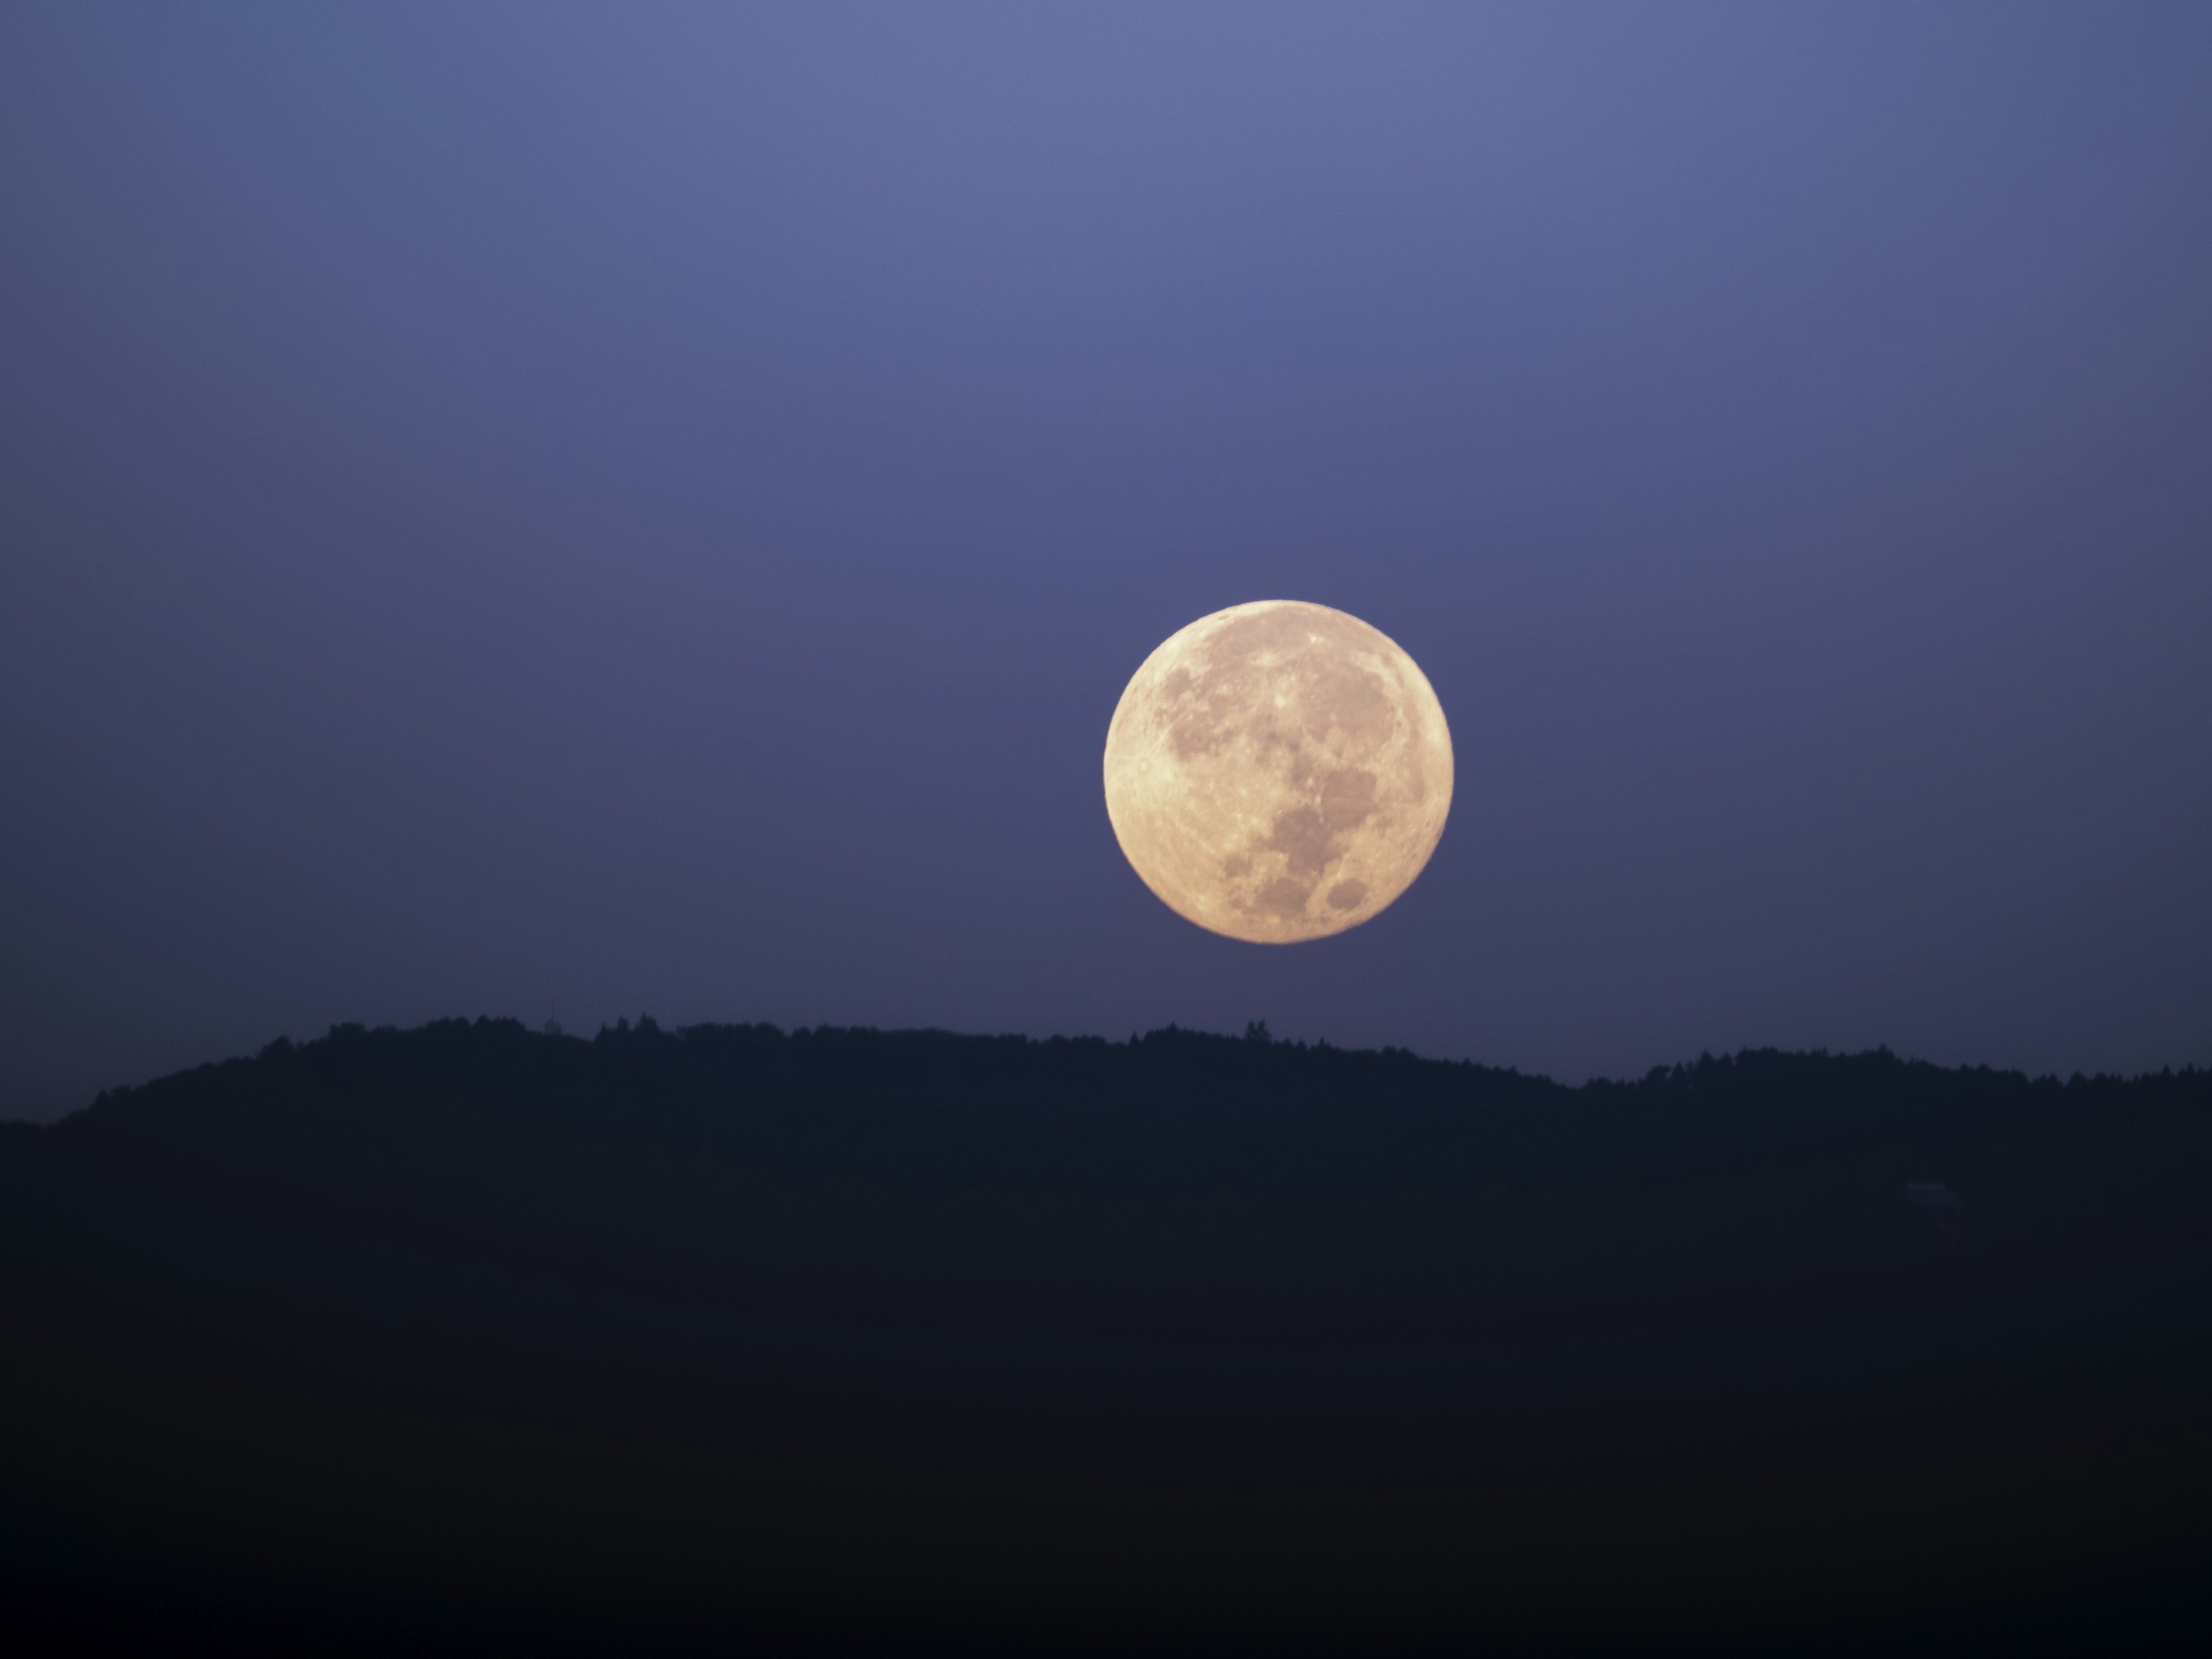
x=473, y=1334
x=1170, y=1111
x=1170, y=1173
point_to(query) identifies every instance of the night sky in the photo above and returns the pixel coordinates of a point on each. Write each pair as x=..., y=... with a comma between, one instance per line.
x=571, y=512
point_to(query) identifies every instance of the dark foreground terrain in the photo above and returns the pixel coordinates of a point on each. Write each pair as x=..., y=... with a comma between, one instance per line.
x=470, y=1337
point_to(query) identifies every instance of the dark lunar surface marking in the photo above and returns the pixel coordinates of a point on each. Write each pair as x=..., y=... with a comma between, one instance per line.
x=1347, y=799
x=1300, y=836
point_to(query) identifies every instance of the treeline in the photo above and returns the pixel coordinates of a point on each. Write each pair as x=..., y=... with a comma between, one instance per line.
x=1168, y=1111
x=730, y=1339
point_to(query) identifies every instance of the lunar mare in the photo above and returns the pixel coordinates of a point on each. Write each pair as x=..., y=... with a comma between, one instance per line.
x=1278, y=771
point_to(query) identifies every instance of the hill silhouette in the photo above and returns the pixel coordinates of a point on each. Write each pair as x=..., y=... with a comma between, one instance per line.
x=479, y=1336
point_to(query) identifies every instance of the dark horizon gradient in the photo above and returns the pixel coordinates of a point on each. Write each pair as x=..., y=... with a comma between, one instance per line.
x=569, y=511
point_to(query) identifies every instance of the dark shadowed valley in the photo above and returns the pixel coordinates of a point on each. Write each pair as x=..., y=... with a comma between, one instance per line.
x=476, y=1337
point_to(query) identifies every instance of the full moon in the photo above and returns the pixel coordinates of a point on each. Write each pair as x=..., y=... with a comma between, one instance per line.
x=1278, y=771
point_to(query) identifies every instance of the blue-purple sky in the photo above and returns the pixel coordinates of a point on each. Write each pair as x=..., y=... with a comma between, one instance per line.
x=581, y=510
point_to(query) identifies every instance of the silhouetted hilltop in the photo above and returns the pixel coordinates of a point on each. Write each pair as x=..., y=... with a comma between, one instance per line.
x=1170, y=1111
x=852, y=1336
